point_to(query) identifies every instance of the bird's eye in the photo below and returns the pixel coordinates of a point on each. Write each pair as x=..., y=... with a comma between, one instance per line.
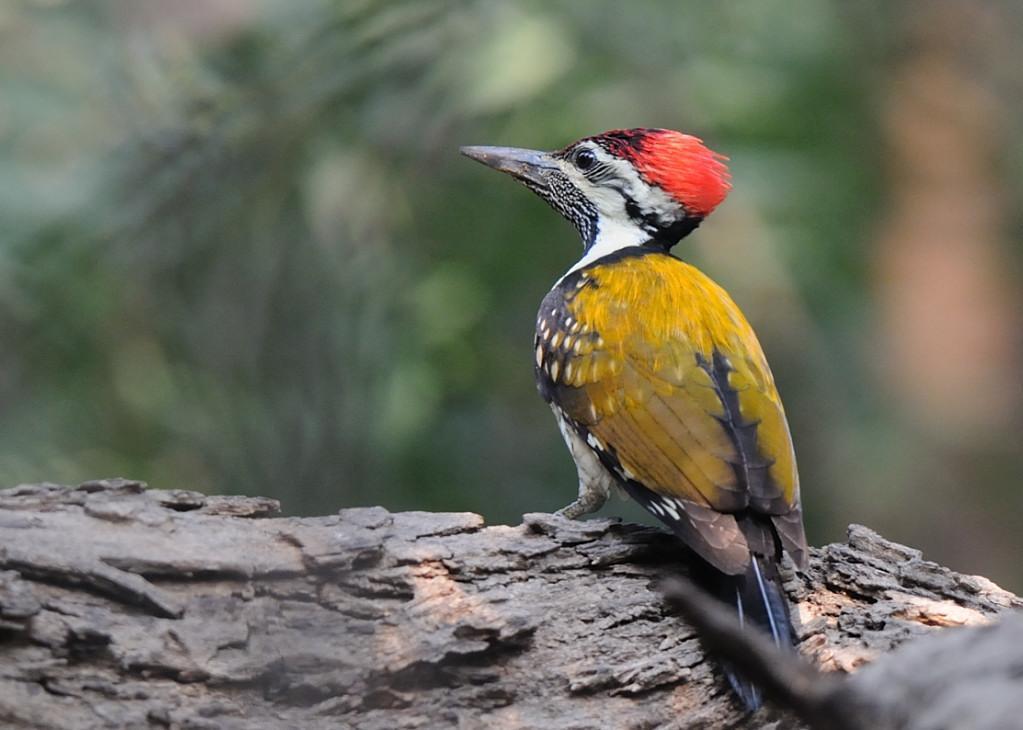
x=585, y=159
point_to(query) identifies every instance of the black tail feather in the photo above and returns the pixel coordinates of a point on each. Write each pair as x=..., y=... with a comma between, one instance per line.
x=747, y=692
x=757, y=597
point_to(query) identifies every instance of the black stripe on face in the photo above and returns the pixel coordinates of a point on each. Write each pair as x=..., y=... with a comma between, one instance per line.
x=601, y=173
x=667, y=233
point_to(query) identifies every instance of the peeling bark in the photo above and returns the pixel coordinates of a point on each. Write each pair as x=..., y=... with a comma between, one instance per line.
x=126, y=607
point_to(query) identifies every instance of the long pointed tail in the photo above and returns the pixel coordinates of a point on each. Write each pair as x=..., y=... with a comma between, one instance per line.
x=758, y=600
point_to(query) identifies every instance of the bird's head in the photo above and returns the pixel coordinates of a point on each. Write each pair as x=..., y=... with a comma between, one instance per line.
x=622, y=188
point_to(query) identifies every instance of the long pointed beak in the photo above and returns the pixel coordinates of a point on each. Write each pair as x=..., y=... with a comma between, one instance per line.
x=526, y=165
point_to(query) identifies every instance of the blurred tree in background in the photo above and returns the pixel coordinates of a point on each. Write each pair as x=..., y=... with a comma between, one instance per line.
x=240, y=252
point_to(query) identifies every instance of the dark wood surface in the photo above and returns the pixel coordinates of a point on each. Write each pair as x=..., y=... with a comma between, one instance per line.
x=122, y=607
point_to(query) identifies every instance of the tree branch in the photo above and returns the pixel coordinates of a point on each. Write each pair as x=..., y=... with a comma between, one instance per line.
x=126, y=607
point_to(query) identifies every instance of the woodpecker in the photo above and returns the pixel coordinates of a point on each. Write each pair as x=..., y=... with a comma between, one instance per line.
x=657, y=381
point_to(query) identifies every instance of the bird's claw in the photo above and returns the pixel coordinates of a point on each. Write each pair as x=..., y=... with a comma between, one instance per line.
x=572, y=512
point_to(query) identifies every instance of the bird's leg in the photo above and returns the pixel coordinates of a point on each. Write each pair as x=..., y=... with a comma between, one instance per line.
x=595, y=481
x=593, y=493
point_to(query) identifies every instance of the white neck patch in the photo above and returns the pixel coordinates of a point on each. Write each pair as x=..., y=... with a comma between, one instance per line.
x=612, y=235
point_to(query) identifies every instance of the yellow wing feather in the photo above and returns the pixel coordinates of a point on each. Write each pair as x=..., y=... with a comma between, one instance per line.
x=646, y=386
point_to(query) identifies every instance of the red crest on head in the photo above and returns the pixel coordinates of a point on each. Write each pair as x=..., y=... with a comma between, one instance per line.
x=679, y=164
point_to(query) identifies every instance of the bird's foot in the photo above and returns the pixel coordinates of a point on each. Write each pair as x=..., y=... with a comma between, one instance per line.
x=572, y=511
x=587, y=502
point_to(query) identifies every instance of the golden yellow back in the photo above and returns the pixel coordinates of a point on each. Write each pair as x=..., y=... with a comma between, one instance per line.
x=655, y=363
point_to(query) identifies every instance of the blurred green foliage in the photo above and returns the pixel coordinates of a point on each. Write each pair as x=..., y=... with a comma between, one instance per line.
x=240, y=252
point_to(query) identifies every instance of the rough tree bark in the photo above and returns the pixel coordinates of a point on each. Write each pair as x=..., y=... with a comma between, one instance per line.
x=126, y=607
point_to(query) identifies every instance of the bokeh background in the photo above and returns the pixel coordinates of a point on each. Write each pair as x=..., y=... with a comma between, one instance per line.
x=240, y=253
